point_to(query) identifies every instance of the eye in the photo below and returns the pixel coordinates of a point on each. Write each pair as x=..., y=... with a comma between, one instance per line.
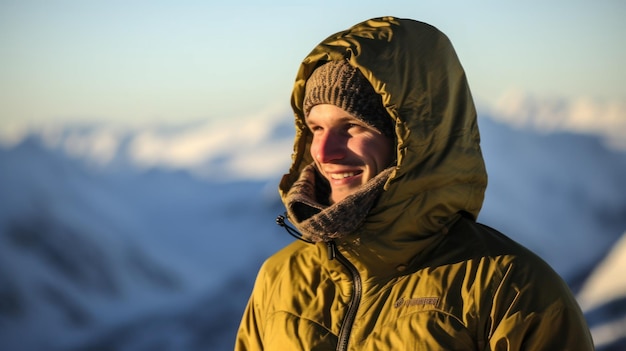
x=315, y=128
x=355, y=127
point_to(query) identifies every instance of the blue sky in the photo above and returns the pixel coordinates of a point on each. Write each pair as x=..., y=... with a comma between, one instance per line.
x=178, y=61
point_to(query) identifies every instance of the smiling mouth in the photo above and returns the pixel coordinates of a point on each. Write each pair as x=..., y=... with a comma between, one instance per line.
x=339, y=176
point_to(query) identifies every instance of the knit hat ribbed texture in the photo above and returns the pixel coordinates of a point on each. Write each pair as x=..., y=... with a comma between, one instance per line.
x=340, y=84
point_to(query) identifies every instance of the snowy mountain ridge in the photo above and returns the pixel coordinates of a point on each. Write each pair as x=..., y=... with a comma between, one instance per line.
x=235, y=145
x=584, y=115
x=208, y=149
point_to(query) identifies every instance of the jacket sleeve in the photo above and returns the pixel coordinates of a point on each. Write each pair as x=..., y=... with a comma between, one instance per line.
x=535, y=310
x=249, y=335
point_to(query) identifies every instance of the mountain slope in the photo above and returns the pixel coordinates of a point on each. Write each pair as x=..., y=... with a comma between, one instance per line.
x=153, y=237
x=603, y=298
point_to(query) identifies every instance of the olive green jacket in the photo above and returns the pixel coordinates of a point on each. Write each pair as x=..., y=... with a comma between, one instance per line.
x=419, y=273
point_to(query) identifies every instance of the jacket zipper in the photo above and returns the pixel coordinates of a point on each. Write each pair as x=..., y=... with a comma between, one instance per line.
x=348, y=320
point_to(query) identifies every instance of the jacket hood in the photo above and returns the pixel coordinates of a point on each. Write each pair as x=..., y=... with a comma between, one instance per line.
x=440, y=170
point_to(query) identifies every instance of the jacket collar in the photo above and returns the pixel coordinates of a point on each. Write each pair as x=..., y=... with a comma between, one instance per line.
x=322, y=223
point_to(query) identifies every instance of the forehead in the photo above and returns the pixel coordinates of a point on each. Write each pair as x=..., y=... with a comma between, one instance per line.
x=325, y=113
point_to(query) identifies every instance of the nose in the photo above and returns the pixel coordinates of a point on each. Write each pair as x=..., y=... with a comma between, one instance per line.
x=328, y=147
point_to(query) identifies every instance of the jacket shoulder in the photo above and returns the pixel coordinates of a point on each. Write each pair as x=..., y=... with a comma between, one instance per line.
x=483, y=246
x=526, y=294
x=481, y=239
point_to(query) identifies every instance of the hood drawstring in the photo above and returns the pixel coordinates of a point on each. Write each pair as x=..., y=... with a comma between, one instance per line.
x=280, y=220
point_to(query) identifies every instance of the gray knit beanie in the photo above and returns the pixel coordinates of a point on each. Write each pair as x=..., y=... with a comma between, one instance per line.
x=340, y=84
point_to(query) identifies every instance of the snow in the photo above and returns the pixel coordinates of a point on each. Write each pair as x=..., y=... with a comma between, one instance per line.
x=610, y=335
x=602, y=285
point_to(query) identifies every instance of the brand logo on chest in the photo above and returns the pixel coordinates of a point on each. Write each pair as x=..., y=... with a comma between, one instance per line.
x=416, y=301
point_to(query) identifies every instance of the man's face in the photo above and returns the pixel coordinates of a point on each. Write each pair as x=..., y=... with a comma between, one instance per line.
x=347, y=151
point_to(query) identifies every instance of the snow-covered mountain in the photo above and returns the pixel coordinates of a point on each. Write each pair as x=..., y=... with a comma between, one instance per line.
x=143, y=239
x=86, y=249
x=603, y=297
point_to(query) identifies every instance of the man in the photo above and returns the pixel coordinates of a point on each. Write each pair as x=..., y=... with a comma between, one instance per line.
x=386, y=182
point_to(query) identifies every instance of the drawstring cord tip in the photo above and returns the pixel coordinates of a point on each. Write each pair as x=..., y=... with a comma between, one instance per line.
x=280, y=220
x=330, y=245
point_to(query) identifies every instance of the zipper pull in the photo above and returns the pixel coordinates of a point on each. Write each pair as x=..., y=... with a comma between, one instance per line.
x=331, y=250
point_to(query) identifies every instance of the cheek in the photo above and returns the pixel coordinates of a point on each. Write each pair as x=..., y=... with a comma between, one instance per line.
x=381, y=151
x=313, y=148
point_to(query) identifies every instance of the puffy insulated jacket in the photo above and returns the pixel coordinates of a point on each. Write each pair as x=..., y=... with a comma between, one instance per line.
x=420, y=273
